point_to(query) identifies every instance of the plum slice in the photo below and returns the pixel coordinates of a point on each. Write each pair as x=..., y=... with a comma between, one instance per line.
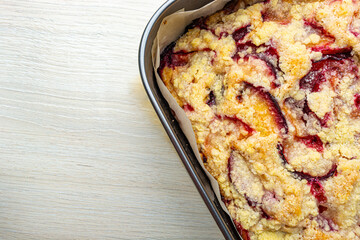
x=355, y=113
x=257, y=206
x=330, y=68
x=197, y=23
x=238, y=122
x=314, y=182
x=172, y=59
x=326, y=39
x=313, y=141
x=240, y=33
x=312, y=23
x=309, y=178
x=233, y=126
x=270, y=57
x=226, y=201
x=246, y=183
x=242, y=231
x=266, y=107
x=303, y=175
x=244, y=47
x=326, y=223
x=317, y=190
x=322, y=208
x=355, y=24
x=302, y=117
x=211, y=99
x=274, y=107
x=280, y=149
x=326, y=50
x=357, y=101
x=316, y=187
x=188, y=108
x=201, y=24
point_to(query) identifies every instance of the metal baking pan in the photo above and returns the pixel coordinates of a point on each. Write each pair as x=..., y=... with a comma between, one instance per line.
x=168, y=120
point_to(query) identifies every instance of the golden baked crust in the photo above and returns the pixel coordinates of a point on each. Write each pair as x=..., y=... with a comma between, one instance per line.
x=273, y=94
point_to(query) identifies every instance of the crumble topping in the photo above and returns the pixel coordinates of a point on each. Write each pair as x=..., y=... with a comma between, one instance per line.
x=273, y=94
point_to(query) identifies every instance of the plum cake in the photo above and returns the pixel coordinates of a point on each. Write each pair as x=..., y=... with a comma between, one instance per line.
x=272, y=90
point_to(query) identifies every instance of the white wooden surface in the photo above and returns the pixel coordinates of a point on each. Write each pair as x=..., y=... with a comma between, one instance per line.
x=82, y=153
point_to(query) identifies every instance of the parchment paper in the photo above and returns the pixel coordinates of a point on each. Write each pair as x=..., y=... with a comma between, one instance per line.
x=170, y=29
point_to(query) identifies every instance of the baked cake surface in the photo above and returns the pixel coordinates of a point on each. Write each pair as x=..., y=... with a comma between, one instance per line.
x=272, y=91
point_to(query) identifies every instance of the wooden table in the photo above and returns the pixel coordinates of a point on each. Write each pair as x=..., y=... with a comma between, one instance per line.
x=83, y=155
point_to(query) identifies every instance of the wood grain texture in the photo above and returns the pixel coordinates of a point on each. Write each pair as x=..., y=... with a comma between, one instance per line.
x=83, y=155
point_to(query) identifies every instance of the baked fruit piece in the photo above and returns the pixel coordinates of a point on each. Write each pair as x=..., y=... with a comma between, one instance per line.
x=272, y=91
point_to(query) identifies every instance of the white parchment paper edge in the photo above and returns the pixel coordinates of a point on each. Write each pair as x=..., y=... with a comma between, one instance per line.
x=170, y=29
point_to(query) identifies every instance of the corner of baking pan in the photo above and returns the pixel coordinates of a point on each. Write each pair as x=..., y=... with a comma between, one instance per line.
x=171, y=126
